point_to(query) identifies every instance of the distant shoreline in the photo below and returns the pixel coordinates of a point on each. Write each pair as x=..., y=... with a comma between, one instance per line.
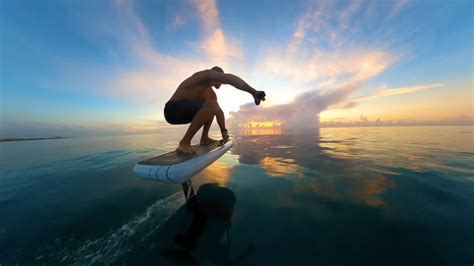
x=27, y=139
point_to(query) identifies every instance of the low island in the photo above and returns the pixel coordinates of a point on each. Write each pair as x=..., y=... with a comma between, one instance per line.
x=9, y=139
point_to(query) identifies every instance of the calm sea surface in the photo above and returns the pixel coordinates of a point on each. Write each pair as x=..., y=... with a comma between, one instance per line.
x=342, y=196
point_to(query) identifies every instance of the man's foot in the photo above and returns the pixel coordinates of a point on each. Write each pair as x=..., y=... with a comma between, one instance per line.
x=223, y=141
x=207, y=141
x=185, y=149
x=225, y=137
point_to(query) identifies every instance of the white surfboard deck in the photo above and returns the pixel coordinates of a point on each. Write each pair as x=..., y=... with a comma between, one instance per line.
x=177, y=168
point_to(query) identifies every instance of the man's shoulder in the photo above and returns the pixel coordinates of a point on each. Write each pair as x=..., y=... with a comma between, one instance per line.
x=199, y=76
x=193, y=83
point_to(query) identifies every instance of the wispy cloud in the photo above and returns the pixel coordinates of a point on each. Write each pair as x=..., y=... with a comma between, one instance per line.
x=305, y=67
x=215, y=43
x=349, y=11
x=385, y=92
x=397, y=91
x=398, y=6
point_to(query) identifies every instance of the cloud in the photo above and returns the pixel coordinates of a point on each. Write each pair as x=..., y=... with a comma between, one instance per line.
x=349, y=11
x=332, y=73
x=385, y=92
x=398, y=6
x=302, y=112
x=321, y=55
x=156, y=75
x=348, y=105
x=397, y=91
x=306, y=67
x=208, y=13
x=321, y=48
x=215, y=44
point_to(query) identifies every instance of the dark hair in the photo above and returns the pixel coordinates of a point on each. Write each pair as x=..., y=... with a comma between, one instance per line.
x=218, y=69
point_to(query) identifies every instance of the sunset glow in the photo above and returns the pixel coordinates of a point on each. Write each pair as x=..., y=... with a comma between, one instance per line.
x=108, y=67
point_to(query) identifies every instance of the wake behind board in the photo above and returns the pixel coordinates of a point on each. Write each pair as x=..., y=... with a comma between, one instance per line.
x=177, y=168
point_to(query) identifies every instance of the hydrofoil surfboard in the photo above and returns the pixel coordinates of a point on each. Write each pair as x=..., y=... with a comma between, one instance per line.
x=177, y=168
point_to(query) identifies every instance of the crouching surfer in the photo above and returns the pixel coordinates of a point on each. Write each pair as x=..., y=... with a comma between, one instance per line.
x=195, y=102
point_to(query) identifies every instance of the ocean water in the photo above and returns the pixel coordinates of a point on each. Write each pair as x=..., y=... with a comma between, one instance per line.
x=331, y=196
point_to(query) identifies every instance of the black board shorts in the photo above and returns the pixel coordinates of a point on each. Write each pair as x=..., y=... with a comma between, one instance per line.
x=182, y=111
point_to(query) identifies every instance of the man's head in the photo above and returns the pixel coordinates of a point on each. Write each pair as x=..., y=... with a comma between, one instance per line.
x=215, y=84
x=218, y=69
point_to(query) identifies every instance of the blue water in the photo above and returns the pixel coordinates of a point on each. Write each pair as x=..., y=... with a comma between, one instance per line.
x=334, y=196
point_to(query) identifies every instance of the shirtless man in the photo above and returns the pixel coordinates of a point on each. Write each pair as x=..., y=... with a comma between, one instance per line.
x=195, y=102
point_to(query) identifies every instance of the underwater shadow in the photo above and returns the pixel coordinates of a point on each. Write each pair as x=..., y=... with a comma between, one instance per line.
x=198, y=231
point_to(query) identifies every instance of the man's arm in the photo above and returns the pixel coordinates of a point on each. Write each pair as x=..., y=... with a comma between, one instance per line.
x=236, y=82
x=215, y=76
x=230, y=79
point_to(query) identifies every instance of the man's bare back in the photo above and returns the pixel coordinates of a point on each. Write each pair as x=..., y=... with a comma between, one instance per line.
x=195, y=102
x=191, y=89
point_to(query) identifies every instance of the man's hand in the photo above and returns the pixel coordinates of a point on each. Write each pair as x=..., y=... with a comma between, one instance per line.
x=259, y=96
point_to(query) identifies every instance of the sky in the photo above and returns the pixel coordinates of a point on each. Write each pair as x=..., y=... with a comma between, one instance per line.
x=108, y=67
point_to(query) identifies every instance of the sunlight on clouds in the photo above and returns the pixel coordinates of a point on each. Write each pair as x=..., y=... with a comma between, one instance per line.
x=159, y=74
x=303, y=111
x=304, y=61
x=208, y=13
x=322, y=54
x=306, y=67
x=319, y=66
x=220, y=50
x=321, y=62
x=215, y=44
x=334, y=74
x=430, y=104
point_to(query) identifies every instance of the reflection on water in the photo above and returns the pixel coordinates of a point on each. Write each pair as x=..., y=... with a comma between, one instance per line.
x=219, y=172
x=279, y=166
x=339, y=196
x=420, y=178
x=301, y=154
x=261, y=131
